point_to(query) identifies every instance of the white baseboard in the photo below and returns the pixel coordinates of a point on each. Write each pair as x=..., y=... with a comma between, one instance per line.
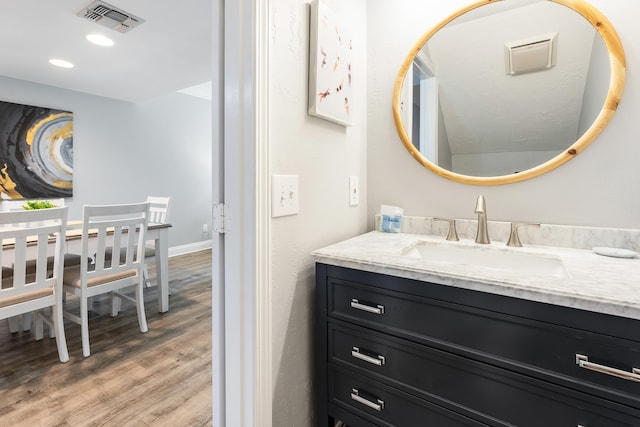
x=188, y=248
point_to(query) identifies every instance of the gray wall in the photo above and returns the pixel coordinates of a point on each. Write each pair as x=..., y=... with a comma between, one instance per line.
x=124, y=152
x=598, y=188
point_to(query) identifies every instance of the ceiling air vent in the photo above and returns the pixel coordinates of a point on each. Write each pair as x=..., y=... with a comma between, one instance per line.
x=532, y=54
x=110, y=16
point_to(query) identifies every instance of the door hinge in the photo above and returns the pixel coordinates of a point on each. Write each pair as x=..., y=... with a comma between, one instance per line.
x=218, y=218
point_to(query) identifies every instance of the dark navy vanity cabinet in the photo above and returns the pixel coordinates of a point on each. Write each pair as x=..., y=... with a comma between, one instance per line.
x=392, y=351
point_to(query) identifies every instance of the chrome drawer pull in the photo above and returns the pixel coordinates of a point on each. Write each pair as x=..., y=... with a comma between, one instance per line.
x=379, y=406
x=583, y=362
x=377, y=360
x=379, y=309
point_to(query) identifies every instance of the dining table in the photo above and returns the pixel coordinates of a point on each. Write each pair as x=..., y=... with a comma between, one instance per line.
x=156, y=232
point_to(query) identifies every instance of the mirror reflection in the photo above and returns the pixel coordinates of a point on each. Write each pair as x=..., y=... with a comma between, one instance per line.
x=505, y=87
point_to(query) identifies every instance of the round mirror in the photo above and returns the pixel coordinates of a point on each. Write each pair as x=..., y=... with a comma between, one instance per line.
x=503, y=91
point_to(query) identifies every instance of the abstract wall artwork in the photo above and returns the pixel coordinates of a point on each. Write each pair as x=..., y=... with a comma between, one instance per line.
x=36, y=152
x=330, y=67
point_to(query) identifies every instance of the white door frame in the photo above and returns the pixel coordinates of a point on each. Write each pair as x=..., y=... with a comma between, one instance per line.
x=217, y=240
x=242, y=379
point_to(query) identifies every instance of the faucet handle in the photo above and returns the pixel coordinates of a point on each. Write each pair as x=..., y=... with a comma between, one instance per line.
x=514, y=239
x=481, y=205
x=453, y=234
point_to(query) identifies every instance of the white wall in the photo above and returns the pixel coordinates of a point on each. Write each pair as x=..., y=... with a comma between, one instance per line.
x=598, y=188
x=124, y=151
x=324, y=155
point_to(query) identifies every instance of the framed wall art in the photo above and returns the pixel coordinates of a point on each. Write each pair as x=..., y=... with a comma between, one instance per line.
x=330, y=66
x=36, y=152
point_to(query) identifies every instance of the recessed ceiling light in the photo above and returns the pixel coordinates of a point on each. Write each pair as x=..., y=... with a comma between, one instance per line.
x=99, y=39
x=61, y=63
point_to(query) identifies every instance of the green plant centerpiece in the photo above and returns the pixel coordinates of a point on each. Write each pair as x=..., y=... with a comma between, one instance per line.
x=38, y=204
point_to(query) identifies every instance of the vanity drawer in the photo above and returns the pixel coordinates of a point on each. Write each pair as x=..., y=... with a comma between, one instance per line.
x=382, y=405
x=545, y=350
x=479, y=390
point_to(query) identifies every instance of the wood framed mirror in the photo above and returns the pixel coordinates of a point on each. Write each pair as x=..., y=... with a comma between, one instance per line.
x=486, y=107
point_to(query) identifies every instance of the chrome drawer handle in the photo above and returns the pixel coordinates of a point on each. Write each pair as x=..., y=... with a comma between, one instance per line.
x=379, y=309
x=377, y=360
x=583, y=362
x=379, y=406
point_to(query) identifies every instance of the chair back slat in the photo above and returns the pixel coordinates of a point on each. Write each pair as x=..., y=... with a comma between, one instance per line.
x=20, y=259
x=101, y=244
x=41, y=257
x=117, y=243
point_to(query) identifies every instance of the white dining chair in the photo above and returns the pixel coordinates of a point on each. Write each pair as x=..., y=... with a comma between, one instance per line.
x=158, y=209
x=23, y=322
x=116, y=229
x=158, y=214
x=25, y=289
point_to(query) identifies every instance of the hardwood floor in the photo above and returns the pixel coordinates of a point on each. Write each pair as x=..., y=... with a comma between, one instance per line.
x=161, y=378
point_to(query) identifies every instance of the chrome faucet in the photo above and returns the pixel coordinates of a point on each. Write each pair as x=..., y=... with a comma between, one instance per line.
x=482, y=235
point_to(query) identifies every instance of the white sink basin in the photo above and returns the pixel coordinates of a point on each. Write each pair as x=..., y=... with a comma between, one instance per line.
x=504, y=259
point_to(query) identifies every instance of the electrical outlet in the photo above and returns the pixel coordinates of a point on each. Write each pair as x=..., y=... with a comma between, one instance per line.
x=284, y=195
x=354, y=191
x=205, y=228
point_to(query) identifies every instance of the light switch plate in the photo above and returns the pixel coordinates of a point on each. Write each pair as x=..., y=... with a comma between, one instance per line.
x=354, y=191
x=284, y=195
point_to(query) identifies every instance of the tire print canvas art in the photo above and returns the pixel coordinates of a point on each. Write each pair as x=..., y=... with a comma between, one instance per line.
x=36, y=152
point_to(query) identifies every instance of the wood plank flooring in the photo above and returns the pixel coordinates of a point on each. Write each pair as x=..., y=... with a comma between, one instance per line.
x=161, y=378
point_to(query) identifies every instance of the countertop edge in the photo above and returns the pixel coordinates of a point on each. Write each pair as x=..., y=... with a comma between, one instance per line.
x=578, y=297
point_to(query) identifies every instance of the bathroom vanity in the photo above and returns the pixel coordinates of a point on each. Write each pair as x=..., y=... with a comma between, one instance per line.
x=413, y=330
x=406, y=339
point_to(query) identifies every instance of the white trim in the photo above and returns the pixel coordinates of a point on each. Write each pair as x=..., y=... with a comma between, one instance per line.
x=263, y=368
x=241, y=200
x=242, y=350
x=189, y=248
x=218, y=367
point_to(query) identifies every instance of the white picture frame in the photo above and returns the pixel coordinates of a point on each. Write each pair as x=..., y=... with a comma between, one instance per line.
x=330, y=66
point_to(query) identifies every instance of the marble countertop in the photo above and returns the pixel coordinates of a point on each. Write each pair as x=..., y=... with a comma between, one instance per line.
x=592, y=282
